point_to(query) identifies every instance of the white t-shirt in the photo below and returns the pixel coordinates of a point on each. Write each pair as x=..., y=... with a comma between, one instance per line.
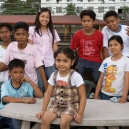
x=3, y=75
x=107, y=33
x=29, y=55
x=76, y=79
x=114, y=72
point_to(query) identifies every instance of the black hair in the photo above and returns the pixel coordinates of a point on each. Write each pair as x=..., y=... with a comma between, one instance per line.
x=6, y=25
x=109, y=14
x=89, y=13
x=21, y=25
x=49, y=25
x=16, y=63
x=117, y=38
x=69, y=53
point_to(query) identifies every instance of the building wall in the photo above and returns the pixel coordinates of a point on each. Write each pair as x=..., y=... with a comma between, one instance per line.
x=99, y=6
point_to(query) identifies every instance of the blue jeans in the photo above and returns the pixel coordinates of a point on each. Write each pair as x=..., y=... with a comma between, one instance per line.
x=12, y=123
x=84, y=65
x=48, y=72
x=107, y=97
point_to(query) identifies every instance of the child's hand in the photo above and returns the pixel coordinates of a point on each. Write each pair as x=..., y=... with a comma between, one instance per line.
x=122, y=100
x=29, y=100
x=40, y=114
x=78, y=118
x=25, y=79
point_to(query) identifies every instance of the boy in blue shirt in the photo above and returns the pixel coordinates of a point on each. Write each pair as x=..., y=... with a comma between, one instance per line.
x=16, y=89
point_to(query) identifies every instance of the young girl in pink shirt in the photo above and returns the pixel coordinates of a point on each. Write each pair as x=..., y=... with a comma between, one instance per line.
x=45, y=38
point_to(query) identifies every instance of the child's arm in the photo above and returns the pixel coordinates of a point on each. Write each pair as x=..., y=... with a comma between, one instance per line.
x=101, y=55
x=3, y=67
x=43, y=76
x=105, y=52
x=46, y=100
x=8, y=99
x=54, y=47
x=99, y=85
x=37, y=92
x=126, y=88
x=82, y=95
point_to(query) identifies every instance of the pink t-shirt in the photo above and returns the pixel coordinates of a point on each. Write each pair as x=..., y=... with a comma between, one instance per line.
x=89, y=46
x=44, y=44
x=30, y=55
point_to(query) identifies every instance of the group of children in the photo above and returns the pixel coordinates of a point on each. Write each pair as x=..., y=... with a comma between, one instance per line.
x=35, y=58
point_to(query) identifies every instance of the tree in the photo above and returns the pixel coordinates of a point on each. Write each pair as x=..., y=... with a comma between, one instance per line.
x=20, y=7
x=71, y=9
x=125, y=9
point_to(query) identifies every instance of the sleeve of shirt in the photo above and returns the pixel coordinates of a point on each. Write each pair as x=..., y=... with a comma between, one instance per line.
x=51, y=80
x=105, y=38
x=31, y=33
x=74, y=43
x=37, y=58
x=127, y=65
x=4, y=91
x=78, y=80
x=101, y=68
x=30, y=92
x=57, y=38
x=6, y=57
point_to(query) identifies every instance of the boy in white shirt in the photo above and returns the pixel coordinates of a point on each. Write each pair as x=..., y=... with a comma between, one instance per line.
x=114, y=28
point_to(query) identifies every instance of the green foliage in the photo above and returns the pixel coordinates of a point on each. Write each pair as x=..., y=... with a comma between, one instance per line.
x=71, y=9
x=17, y=7
x=125, y=9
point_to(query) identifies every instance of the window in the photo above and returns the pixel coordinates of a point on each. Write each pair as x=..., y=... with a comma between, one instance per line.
x=69, y=0
x=100, y=9
x=112, y=8
x=50, y=8
x=89, y=8
x=58, y=9
x=79, y=9
x=90, y=0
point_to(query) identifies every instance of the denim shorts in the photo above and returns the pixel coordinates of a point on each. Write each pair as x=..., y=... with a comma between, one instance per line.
x=12, y=123
x=107, y=97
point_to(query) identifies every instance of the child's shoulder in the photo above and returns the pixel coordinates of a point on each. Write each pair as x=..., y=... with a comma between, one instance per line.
x=78, y=32
x=97, y=32
x=6, y=85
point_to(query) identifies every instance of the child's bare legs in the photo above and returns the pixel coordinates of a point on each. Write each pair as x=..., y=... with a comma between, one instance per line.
x=48, y=118
x=65, y=121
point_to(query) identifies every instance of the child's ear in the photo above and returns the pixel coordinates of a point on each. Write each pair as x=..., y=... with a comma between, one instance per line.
x=72, y=62
x=9, y=73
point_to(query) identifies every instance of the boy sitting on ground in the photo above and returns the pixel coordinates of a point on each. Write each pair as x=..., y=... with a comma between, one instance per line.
x=18, y=89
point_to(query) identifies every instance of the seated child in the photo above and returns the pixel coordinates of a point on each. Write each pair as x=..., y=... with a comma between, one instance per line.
x=16, y=89
x=113, y=81
x=68, y=90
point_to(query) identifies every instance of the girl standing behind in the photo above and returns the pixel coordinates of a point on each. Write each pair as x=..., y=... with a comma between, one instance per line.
x=114, y=78
x=68, y=90
x=45, y=38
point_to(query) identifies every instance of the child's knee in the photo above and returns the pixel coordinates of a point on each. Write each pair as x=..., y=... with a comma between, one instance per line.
x=45, y=121
x=64, y=124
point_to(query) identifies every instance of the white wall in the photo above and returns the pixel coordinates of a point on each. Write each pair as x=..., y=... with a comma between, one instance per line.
x=94, y=3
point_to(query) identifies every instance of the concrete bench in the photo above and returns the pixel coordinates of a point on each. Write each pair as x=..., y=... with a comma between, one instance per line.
x=97, y=113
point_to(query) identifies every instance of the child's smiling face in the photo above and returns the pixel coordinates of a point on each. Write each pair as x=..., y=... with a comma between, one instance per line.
x=63, y=63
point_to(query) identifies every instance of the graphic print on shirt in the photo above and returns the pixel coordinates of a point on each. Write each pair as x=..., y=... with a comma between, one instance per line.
x=62, y=83
x=110, y=77
x=88, y=49
x=21, y=93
